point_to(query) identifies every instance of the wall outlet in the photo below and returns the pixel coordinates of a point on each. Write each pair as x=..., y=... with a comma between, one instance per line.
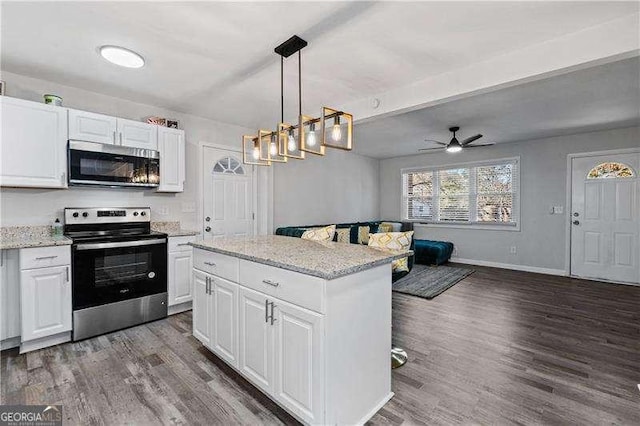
x=513, y=250
x=455, y=251
x=557, y=209
x=163, y=211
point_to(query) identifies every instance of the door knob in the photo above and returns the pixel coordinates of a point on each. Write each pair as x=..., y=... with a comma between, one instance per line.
x=208, y=219
x=208, y=229
x=576, y=222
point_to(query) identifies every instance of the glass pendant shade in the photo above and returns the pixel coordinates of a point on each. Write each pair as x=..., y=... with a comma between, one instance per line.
x=251, y=152
x=269, y=147
x=288, y=146
x=337, y=129
x=308, y=134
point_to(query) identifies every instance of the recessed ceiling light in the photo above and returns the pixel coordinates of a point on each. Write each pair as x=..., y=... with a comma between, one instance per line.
x=121, y=56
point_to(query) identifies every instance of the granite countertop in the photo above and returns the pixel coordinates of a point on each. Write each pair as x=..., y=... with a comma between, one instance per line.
x=326, y=260
x=172, y=229
x=16, y=237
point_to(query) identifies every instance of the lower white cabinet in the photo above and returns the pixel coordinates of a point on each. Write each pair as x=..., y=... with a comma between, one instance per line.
x=319, y=348
x=10, y=298
x=256, y=339
x=180, y=274
x=46, y=301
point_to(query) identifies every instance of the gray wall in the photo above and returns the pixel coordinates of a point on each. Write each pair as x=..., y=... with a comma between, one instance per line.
x=541, y=241
x=339, y=187
x=41, y=206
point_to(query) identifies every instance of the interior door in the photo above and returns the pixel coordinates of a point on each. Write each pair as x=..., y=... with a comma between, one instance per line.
x=228, y=195
x=605, y=217
x=256, y=339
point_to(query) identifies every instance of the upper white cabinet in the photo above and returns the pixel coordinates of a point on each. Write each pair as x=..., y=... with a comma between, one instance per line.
x=136, y=134
x=33, y=145
x=92, y=127
x=172, y=159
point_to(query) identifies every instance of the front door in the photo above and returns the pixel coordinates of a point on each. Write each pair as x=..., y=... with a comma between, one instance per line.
x=228, y=195
x=605, y=217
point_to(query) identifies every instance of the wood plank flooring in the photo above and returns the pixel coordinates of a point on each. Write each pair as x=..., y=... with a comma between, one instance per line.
x=500, y=347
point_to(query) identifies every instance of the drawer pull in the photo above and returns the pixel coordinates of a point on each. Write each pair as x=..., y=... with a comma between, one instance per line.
x=183, y=244
x=46, y=257
x=271, y=283
x=210, y=264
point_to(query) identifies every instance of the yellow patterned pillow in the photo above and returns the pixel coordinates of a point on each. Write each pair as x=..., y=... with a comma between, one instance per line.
x=320, y=234
x=393, y=241
x=344, y=235
x=385, y=227
x=363, y=234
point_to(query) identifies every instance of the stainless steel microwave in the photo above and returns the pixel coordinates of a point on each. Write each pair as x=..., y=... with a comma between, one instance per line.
x=100, y=164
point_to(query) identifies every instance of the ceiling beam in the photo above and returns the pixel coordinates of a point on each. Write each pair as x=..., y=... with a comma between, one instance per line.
x=609, y=42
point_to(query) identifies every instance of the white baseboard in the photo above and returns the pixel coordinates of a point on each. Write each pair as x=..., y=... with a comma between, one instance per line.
x=176, y=309
x=525, y=268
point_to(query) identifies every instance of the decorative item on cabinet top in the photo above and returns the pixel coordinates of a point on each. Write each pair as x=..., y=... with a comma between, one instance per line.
x=294, y=140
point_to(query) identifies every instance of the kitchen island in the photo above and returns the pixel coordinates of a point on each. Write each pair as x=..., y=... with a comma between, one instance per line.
x=308, y=323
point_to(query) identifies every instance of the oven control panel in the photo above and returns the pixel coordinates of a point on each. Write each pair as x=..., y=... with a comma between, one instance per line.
x=80, y=215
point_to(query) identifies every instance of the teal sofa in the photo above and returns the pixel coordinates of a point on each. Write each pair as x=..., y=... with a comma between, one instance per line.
x=297, y=231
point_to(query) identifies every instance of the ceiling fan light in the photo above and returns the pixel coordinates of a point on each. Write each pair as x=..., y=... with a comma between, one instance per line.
x=452, y=148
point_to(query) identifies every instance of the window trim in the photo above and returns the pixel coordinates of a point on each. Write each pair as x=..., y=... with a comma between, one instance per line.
x=497, y=226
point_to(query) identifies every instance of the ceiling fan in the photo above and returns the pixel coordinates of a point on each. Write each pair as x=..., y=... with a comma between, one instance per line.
x=454, y=145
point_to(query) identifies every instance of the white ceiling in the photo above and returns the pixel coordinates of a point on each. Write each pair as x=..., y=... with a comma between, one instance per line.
x=602, y=97
x=216, y=60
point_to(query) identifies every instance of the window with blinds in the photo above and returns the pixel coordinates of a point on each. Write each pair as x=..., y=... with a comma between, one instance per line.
x=478, y=193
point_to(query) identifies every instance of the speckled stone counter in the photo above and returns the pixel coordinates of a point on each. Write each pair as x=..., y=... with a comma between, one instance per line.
x=172, y=229
x=326, y=260
x=16, y=237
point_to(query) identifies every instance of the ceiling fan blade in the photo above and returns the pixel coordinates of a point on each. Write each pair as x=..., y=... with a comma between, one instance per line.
x=431, y=149
x=467, y=141
x=438, y=142
x=478, y=146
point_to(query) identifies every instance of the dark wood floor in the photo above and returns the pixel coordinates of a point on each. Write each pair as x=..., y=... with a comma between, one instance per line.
x=500, y=347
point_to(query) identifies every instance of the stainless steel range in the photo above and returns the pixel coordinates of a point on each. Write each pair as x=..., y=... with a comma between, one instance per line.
x=119, y=269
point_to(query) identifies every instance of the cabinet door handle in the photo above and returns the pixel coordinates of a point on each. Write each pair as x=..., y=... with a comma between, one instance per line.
x=209, y=263
x=114, y=137
x=63, y=178
x=120, y=138
x=266, y=310
x=272, y=317
x=183, y=244
x=46, y=257
x=271, y=283
x=67, y=271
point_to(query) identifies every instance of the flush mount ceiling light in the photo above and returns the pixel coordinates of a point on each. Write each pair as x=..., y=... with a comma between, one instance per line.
x=121, y=56
x=301, y=137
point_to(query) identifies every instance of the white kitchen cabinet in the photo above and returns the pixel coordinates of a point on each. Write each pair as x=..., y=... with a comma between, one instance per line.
x=33, y=145
x=171, y=146
x=299, y=369
x=256, y=339
x=46, y=301
x=224, y=324
x=136, y=134
x=92, y=127
x=180, y=269
x=201, y=308
x=10, y=302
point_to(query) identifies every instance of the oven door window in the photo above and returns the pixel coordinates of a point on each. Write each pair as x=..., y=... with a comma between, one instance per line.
x=109, y=275
x=102, y=167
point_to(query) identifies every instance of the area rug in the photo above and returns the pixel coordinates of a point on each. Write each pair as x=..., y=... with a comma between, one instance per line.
x=429, y=281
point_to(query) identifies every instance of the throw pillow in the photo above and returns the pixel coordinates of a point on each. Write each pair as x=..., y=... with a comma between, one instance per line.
x=363, y=234
x=393, y=241
x=385, y=227
x=343, y=235
x=319, y=234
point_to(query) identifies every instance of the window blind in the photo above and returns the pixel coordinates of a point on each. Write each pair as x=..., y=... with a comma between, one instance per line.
x=478, y=193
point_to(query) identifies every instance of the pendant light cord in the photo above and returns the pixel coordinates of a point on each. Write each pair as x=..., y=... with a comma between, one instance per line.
x=300, y=82
x=282, y=89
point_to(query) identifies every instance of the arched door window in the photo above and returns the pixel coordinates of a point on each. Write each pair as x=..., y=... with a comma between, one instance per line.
x=229, y=165
x=611, y=170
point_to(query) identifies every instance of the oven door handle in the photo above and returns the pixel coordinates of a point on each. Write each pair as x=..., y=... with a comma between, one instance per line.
x=98, y=246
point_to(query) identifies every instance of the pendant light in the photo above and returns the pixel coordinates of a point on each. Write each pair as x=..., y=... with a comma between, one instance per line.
x=333, y=129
